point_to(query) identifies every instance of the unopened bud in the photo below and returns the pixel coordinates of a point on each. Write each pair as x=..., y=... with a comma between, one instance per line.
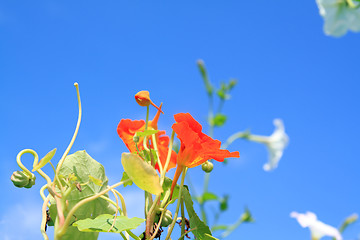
x=31, y=183
x=167, y=219
x=136, y=139
x=143, y=99
x=207, y=167
x=21, y=179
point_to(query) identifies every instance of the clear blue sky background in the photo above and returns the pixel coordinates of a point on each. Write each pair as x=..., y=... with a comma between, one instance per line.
x=286, y=67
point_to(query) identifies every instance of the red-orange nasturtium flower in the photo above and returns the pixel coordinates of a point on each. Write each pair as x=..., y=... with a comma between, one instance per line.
x=196, y=147
x=127, y=129
x=143, y=99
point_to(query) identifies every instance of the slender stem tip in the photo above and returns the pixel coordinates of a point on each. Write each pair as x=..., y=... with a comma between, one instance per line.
x=76, y=84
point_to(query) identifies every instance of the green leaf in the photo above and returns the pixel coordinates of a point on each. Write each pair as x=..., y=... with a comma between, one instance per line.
x=224, y=203
x=146, y=133
x=141, y=173
x=208, y=196
x=103, y=223
x=201, y=230
x=82, y=165
x=95, y=180
x=124, y=178
x=219, y=120
x=167, y=187
x=44, y=160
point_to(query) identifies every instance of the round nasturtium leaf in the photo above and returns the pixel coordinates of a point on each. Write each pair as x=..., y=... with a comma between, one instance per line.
x=141, y=173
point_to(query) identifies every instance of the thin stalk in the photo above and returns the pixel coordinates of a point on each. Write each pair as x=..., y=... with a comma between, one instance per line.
x=72, y=139
x=171, y=227
x=234, y=137
x=182, y=219
x=167, y=158
x=44, y=217
x=230, y=229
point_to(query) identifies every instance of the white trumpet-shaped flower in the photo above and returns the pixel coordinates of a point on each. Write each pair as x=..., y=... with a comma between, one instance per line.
x=317, y=228
x=339, y=16
x=275, y=143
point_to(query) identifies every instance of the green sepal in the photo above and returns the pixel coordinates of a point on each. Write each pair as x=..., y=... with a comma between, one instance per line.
x=103, y=223
x=44, y=160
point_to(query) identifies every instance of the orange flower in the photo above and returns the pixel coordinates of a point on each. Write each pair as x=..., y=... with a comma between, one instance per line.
x=196, y=147
x=127, y=129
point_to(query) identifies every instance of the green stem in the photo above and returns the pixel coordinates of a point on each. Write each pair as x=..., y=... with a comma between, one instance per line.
x=182, y=219
x=72, y=139
x=44, y=217
x=167, y=158
x=234, y=137
x=18, y=160
x=171, y=227
x=62, y=229
x=133, y=235
x=150, y=217
x=232, y=228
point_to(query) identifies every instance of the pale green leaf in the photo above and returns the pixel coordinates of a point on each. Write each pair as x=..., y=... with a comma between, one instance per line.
x=44, y=160
x=104, y=222
x=82, y=165
x=141, y=173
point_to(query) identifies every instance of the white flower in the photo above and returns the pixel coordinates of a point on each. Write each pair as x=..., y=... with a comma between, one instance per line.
x=317, y=228
x=275, y=143
x=339, y=16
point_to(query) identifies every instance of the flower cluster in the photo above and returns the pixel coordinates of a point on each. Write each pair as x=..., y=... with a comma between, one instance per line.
x=195, y=149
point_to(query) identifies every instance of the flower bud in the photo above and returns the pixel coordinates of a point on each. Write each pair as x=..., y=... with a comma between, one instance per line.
x=167, y=219
x=143, y=98
x=136, y=139
x=20, y=179
x=207, y=166
x=31, y=183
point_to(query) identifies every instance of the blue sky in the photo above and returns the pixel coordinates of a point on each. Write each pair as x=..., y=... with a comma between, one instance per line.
x=286, y=68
